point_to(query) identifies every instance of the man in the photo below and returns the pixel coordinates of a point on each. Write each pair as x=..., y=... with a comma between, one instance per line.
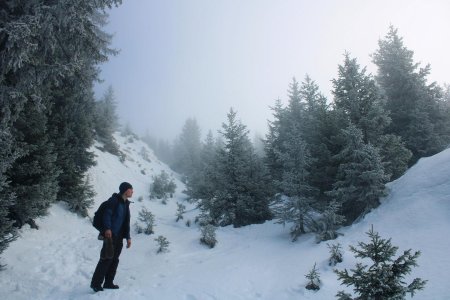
x=116, y=224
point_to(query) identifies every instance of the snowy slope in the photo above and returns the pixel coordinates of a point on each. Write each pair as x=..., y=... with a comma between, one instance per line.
x=254, y=262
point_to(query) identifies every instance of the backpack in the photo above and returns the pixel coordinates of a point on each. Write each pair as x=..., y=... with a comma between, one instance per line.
x=97, y=221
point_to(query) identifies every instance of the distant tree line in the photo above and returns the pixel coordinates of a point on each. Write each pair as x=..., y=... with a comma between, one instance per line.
x=325, y=163
x=49, y=52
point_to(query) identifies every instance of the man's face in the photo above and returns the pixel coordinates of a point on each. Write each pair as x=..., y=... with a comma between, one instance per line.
x=128, y=193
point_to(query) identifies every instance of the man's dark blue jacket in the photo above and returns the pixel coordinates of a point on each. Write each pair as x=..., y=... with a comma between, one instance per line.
x=117, y=216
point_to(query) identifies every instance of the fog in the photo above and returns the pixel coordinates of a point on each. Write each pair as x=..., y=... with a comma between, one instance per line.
x=184, y=59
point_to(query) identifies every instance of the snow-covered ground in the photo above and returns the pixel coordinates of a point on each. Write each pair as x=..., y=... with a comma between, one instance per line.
x=253, y=262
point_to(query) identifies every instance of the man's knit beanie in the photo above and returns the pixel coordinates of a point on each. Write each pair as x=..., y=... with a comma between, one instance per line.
x=124, y=186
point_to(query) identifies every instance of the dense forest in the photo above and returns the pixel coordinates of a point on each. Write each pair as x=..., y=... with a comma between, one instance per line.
x=324, y=162
x=49, y=57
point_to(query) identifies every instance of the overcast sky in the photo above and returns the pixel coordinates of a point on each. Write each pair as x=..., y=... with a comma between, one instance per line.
x=184, y=59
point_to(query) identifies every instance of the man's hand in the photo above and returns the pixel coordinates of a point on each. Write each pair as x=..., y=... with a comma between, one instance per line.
x=108, y=234
x=128, y=243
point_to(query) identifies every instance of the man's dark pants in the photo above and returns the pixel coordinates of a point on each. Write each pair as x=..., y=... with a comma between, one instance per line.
x=106, y=268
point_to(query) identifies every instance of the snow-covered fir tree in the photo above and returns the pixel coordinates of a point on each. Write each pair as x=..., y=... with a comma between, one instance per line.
x=186, y=149
x=128, y=132
x=385, y=278
x=74, y=42
x=181, y=209
x=295, y=203
x=80, y=204
x=335, y=254
x=287, y=122
x=163, y=244
x=308, y=117
x=330, y=220
x=208, y=235
x=146, y=217
x=162, y=187
x=272, y=142
x=360, y=178
x=34, y=175
x=202, y=182
x=107, y=121
x=395, y=155
x=413, y=103
x=7, y=232
x=160, y=147
x=356, y=94
x=242, y=192
x=48, y=56
x=316, y=133
x=314, y=279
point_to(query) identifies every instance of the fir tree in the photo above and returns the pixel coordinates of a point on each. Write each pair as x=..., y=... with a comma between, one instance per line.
x=297, y=204
x=328, y=223
x=316, y=134
x=186, y=151
x=48, y=52
x=444, y=111
x=395, y=155
x=335, y=254
x=208, y=235
x=163, y=244
x=73, y=42
x=71, y=131
x=7, y=232
x=274, y=140
x=384, y=279
x=314, y=279
x=202, y=182
x=258, y=144
x=80, y=205
x=164, y=151
x=412, y=102
x=357, y=95
x=106, y=121
x=8, y=154
x=160, y=147
x=162, y=187
x=146, y=217
x=33, y=176
x=296, y=106
x=127, y=131
x=360, y=178
x=287, y=122
x=181, y=209
x=242, y=193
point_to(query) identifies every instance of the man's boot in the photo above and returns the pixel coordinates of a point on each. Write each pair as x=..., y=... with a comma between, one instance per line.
x=110, y=285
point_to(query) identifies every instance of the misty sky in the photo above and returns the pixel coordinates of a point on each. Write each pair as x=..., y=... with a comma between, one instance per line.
x=184, y=59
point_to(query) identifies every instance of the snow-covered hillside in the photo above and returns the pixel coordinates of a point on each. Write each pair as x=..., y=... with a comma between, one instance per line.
x=253, y=262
